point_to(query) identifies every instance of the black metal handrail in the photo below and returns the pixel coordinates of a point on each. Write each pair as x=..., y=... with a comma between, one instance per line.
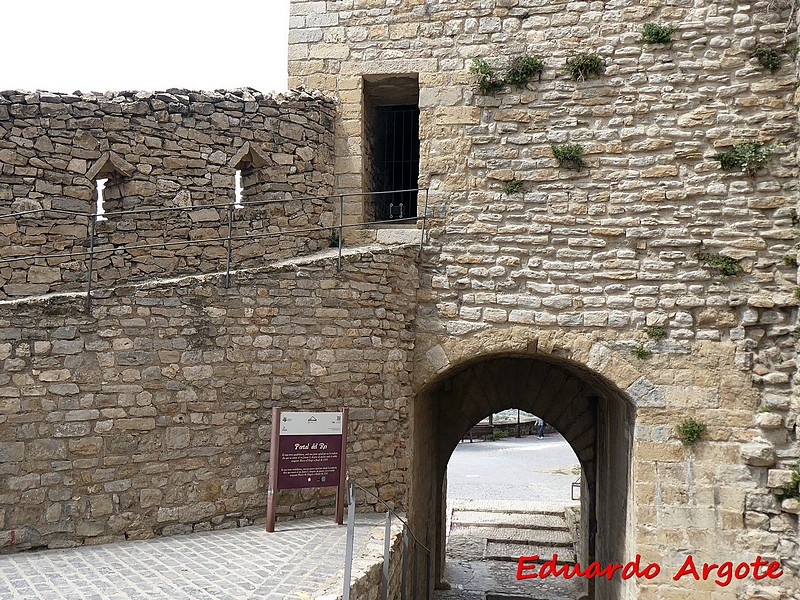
x=231, y=208
x=242, y=204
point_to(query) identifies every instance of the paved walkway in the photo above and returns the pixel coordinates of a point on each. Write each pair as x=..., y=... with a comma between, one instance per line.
x=510, y=476
x=295, y=563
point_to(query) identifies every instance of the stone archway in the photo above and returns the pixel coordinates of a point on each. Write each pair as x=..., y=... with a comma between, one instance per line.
x=592, y=413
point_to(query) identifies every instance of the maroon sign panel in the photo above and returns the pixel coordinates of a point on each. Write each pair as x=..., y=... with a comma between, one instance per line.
x=309, y=461
x=308, y=449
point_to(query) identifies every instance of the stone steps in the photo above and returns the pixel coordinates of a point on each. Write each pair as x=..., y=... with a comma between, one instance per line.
x=549, y=537
x=517, y=520
x=509, y=534
x=511, y=551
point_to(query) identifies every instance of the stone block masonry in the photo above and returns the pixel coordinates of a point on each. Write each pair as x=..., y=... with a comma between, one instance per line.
x=151, y=416
x=611, y=254
x=175, y=150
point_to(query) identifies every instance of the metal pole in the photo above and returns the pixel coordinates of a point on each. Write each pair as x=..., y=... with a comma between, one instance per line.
x=424, y=222
x=427, y=575
x=519, y=427
x=341, y=489
x=404, y=577
x=228, y=243
x=274, y=450
x=386, y=547
x=341, y=228
x=414, y=573
x=351, y=525
x=90, y=269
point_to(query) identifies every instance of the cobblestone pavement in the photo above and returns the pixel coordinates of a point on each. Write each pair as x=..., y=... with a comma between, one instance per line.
x=301, y=558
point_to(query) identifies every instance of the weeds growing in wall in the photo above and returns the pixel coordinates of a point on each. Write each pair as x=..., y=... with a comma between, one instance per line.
x=583, y=66
x=569, y=156
x=690, y=431
x=724, y=264
x=749, y=157
x=653, y=33
x=769, y=57
x=641, y=352
x=791, y=487
x=488, y=81
x=512, y=187
x=522, y=70
x=518, y=74
x=656, y=333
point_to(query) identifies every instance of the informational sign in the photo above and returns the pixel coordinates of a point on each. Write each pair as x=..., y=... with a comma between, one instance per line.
x=308, y=449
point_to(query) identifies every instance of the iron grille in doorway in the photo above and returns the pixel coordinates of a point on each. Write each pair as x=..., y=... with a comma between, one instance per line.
x=400, y=165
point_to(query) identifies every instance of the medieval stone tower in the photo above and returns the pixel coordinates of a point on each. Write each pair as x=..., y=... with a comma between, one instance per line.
x=618, y=298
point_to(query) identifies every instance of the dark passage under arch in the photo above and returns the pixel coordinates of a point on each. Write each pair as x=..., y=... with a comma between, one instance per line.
x=594, y=416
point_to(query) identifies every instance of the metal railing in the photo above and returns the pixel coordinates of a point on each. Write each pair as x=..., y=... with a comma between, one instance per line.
x=231, y=207
x=348, y=561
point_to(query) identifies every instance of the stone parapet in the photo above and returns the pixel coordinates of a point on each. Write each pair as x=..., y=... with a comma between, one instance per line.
x=170, y=160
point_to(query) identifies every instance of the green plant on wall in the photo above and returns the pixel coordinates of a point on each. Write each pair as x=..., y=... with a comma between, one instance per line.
x=656, y=333
x=724, y=264
x=488, y=81
x=690, y=431
x=641, y=352
x=749, y=157
x=518, y=74
x=790, y=261
x=653, y=33
x=569, y=156
x=583, y=66
x=790, y=488
x=522, y=69
x=769, y=57
x=512, y=187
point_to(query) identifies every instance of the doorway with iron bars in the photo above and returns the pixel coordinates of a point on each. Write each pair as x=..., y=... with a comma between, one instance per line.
x=391, y=147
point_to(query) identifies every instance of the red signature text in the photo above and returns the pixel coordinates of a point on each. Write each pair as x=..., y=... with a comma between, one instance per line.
x=529, y=567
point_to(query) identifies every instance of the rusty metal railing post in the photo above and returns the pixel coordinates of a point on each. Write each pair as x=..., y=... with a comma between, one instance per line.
x=386, y=549
x=424, y=222
x=90, y=268
x=229, y=243
x=427, y=576
x=341, y=228
x=414, y=572
x=404, y=574
x=351, y=526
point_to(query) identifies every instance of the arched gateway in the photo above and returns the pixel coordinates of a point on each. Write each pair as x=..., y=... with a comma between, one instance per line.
x=592, y=413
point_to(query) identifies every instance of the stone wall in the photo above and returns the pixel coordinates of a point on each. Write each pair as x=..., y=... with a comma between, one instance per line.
x=610, y=255
x=152, y=415
x=175, y=150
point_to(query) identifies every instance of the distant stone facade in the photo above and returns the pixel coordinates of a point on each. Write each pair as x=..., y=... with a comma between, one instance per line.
x=173, y=150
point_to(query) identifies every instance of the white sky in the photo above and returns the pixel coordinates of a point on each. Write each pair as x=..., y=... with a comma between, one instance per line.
x=101, y=45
